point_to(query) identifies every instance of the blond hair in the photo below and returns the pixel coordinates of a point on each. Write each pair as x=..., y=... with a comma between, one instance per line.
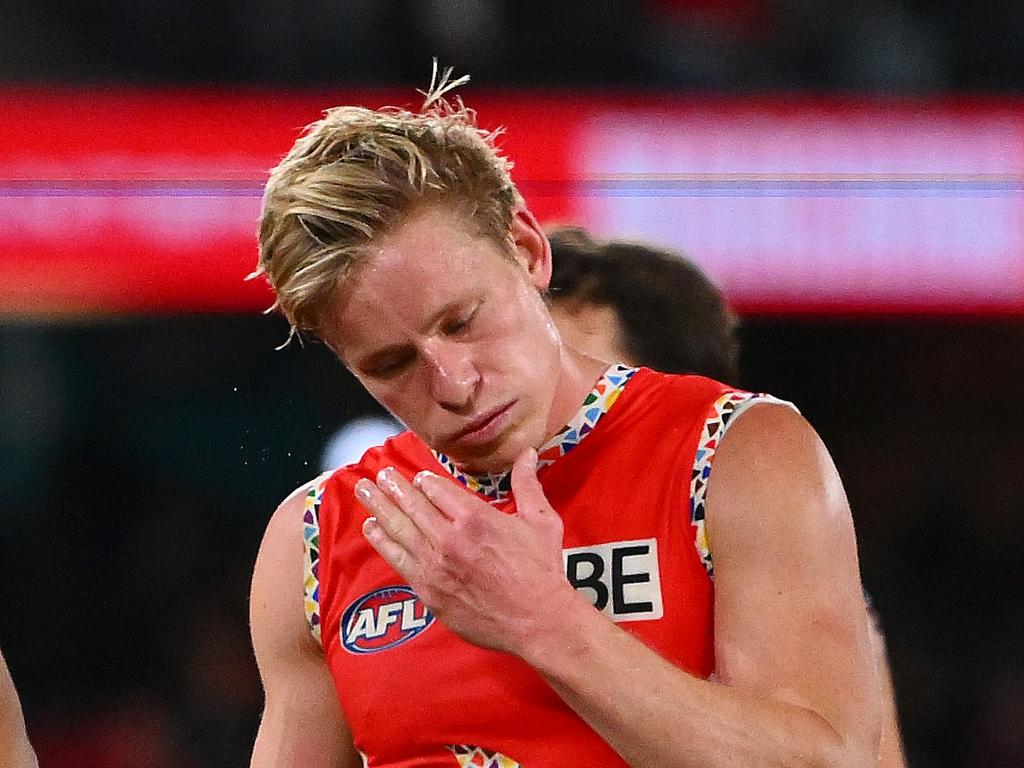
x=356, y=174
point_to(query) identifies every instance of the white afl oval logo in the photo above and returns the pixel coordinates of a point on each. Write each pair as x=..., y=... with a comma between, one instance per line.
x=383, y=619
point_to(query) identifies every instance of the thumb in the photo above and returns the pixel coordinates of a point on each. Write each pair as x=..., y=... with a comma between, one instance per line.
x=526, y=488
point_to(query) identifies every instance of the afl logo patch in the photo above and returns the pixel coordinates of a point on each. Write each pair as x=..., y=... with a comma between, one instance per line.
x=383, y=619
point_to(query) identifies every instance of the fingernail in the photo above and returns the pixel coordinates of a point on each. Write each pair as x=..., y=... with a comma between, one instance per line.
x=386, y=480
x=421, y=476
x=363, y=490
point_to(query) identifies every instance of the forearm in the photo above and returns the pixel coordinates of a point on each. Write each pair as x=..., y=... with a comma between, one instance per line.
x=653, y=713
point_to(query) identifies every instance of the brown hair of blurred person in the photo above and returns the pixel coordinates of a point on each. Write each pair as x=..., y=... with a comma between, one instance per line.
x=15, y=750
x=638, y=304
x=658, y=307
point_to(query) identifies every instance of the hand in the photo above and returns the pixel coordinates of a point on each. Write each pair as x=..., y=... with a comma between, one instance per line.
x=495, y=579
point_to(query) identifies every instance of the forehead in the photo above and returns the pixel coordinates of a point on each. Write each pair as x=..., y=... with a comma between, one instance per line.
x=432, y=239
x=431, y=260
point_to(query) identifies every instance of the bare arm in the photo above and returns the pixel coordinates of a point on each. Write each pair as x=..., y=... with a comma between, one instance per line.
x=791, y=625
x=15, y=750
x=302, y=724
x=797, y=679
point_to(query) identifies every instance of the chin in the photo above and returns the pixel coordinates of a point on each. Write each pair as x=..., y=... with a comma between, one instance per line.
x=483, y=465
x=487, y=461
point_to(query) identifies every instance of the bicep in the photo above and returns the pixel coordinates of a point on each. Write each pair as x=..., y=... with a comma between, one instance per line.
x=302, y=725
x=790, y=621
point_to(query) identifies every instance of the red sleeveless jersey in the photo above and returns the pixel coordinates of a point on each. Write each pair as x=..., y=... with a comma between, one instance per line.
x=629, y=489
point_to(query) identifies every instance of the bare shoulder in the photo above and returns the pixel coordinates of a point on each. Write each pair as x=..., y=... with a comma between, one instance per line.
x=771, y=456
x=777, y=510
x=302, y=721
x=283, y=536
x=280, y=563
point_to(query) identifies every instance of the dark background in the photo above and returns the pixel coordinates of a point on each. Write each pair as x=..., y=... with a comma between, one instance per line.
x=140, y=457
x=744, y=45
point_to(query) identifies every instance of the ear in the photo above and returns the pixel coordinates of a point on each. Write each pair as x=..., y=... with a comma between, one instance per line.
x=532, y=248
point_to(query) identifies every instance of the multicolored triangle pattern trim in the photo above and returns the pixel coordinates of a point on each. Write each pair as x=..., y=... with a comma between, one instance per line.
x=596, y=404
x=475, y=757
x=311, y=546
x=722, y=413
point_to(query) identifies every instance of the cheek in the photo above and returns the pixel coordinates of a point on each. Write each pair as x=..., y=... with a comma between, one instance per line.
x=393, y=398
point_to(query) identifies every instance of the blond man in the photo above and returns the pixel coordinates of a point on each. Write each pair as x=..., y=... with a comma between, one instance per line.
x=544, y=570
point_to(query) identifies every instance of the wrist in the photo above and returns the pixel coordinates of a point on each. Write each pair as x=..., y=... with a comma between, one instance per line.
x=559, y=631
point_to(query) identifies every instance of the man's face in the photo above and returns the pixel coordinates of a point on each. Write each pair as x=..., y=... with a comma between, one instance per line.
x=450, y=334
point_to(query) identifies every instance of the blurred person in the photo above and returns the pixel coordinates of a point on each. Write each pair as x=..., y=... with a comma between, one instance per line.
x=630, y=302
x=15, y=749
x=525, y=577
x=635, y=303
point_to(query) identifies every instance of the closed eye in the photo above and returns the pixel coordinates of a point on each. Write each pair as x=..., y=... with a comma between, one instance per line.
x=390, y=365
x=461, y=323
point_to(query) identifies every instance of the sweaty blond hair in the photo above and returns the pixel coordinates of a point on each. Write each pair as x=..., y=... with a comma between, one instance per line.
x=356, y=174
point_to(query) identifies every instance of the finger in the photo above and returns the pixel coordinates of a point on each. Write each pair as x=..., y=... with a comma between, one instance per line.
x=392, y=520
x=451, y=500
x=396, y=556
x=413, y=503
x=526, y=488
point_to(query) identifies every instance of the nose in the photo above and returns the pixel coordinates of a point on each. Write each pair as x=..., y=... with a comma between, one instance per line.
x=453, y=378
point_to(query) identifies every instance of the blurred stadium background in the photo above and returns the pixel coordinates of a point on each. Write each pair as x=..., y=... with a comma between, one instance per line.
x=852, y=174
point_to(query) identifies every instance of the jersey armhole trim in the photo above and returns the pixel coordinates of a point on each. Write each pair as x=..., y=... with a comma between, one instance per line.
x=723, y=412
x=311, y=557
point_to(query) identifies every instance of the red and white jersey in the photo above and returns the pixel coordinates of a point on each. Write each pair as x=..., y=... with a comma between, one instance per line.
x=627, y=475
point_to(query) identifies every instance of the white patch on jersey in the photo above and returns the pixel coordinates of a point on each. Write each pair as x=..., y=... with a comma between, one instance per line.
x=621, y=578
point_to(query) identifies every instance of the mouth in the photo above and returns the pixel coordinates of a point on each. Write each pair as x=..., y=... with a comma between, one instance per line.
x=485, y=428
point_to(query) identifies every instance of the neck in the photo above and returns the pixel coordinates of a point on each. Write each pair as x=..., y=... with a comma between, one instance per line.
x=577, y=376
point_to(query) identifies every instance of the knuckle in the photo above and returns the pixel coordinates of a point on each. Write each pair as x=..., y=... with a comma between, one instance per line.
x=399, y=526
x=472, y=527
x=450, y=559
x=400, y=560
